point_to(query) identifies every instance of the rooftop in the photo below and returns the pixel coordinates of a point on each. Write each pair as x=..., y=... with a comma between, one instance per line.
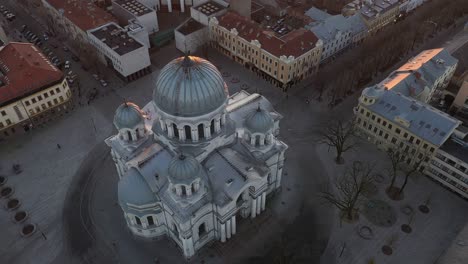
x=327, y=29
x=24, y=70
x=134, y=7
x=424, y=121
x=116, y=38
x=458, y=151
x=371, y=11
x=462, y=56
x=190, y=26
x=209, y=8
x=295, y=43
x=82, y=13
x=317, y=14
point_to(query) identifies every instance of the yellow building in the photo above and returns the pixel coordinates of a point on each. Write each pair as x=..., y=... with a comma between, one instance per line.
x=281, y=59
x=32, y=90
x=379, y=13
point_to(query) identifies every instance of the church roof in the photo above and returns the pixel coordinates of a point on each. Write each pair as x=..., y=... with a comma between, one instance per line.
x=128, y=115
x=259, y=121
x=134, y=190
x=189, y=86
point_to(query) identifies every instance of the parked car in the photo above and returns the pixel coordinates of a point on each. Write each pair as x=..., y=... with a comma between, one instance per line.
x=70, y=73
x=95, y=76
x=10, y=17
x=85, y=68
x=2, y=7
x=65, y=49
x=39, y=43
x=75, y=58
x=67, y=65
x=23, y=28
x=54, y=45
x=103, y=83
x=45, y=37
x=70, y=80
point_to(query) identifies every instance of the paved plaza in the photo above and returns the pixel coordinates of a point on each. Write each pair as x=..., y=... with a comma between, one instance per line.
x=80, y=179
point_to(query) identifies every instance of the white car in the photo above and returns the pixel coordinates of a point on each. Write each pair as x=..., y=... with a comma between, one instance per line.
x=67, y=65
x=95, y=76
x=103, y=83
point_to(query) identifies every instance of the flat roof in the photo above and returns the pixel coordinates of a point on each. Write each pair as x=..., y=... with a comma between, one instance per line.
x=116, y=38
x=24, y=70
x=134, y=7
x=83, y=14
x=209, y=8
x=190, y=26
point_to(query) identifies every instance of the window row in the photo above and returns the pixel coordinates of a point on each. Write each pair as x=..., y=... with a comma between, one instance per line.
x=43, y=96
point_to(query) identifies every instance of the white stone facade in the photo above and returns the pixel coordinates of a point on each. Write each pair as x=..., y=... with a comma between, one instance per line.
x=191, y=179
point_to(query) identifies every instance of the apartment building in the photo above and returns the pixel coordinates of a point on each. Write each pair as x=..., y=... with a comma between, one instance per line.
x=127, y=55
x=375, y=13
x=32, y=89
x=423, y=77
x=76, y=17
x=282, y=59
x=128, y=10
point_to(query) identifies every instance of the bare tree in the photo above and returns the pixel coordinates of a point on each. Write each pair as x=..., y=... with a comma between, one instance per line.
x=396, y=159
x=411, y=170
x=348, y=189
x=339, y=135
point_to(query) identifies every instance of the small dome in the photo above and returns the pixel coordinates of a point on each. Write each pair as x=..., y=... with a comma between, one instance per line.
x=133, y=189
x=128, y=115
x=189, y=86
x=260, y=121
x=184, y=169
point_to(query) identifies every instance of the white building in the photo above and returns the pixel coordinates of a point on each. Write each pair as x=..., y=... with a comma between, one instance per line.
x=126, y=10
x=171, y=5
x=194, y=32
x=195, y=160
x=128, y=56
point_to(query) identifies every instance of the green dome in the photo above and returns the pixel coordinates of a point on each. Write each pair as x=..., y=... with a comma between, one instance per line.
x=128, y=115
x=184, y=169
x=189, y=86
x=259, y=121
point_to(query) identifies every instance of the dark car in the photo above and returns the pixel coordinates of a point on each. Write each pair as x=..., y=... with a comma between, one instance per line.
x=54, y=45
x=75, y=58
x=23, y=28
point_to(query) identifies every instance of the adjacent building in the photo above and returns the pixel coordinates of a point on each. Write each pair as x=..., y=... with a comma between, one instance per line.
x=194, y=33
x=127, y=55
x=76, y=17
x=32, y=89
x=195, y=161
x=132, y=10
x=283, y=59
x=407, y=6
x=423, y=77
x=375, y=13
x=3, y=37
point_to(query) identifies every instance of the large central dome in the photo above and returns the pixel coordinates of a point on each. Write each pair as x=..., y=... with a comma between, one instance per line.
x=189, y=86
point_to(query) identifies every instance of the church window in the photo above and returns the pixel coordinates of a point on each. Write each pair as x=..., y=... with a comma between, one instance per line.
x=201, y=131
x=129, y=135
x=188, y=132
x=212, y=127
x=184, y=190
x=137, y=220
x=176, y=131
x=201, y=230
x=150, y=220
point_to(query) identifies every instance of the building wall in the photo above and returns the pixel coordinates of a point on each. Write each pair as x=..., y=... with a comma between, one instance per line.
x=202, y=18
x=461, y=99
x=192, y=41
x=450, y=171
x=149, y=21
x=382, y=20
x=333, y=46
x=282, y=70
x=388, y=134
x=27, y=111
x=126, y=64
x=3, y=36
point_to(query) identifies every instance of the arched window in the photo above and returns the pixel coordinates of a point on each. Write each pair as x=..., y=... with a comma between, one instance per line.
x=137, y=132
x=176, y=131
x=193, y=188
x=201, y=230
x=137, y=220
x=201, y=131
x=212, y=127
x=184, y=191
x=150, y=220
x=188, y=132
x=129, y=136
x=257, y=140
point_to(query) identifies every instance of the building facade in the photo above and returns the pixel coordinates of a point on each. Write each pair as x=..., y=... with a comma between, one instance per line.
x=378, y=13
x=282, y=60
x=127, y=55
x=32, y=90
x=195, y=160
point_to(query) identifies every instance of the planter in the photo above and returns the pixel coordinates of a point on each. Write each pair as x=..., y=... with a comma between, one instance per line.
x=6, y=192
x=28, y=230
x=406, y=228
x=3, y=180
x=365, y=232
x=424, y=209
x=407, y=210
x=12, y=204
x=20, y=217
x=387, y=250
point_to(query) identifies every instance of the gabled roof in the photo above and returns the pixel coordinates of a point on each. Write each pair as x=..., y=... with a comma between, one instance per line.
x=24, y=70
x=327, y=29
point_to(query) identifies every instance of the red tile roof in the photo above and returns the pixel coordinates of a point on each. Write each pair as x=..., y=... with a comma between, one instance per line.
x=295, y=43
x=83, y=13
x=23, y=70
